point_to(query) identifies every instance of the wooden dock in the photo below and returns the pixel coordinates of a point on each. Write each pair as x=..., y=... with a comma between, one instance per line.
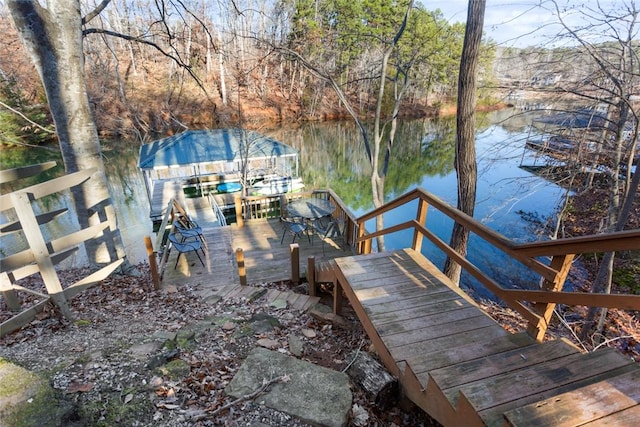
x=266, y=260
x=463, y=368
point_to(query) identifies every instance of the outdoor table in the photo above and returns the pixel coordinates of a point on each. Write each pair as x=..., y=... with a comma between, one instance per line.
x=310, y=208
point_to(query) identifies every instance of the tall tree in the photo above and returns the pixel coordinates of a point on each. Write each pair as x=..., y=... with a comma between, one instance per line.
x=466, y=166
x=52, y=35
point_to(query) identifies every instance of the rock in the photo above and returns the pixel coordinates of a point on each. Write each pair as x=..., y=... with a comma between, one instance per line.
x=262, y=322
x=314, y=394
x=142, y=350
x=27, y=399
x=309, y=333
x=268, y=343
x=296, y=345
x=186, y=339
x=170, y=289
x=229, y=326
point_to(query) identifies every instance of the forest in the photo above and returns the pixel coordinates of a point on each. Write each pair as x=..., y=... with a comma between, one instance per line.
x=155, y=68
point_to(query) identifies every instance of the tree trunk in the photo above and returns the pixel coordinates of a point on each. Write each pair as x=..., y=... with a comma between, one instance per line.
x=53, y=38
x=466, y=167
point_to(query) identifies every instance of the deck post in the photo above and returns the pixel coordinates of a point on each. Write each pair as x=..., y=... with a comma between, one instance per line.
x=283, y=206
x=561, y=264
x=337, y=297
x=421, y=217
x=153, y=265
x=294, y=252
x=311, y=275
x=237, y=201
x=242, y=272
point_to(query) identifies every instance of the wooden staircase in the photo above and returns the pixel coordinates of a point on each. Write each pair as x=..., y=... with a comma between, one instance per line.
x=463, y=368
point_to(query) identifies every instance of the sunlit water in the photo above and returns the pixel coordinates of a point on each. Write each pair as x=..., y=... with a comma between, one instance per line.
x=332, y=155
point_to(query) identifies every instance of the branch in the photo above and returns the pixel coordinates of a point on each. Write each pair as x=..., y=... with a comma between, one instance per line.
x=265, y=385
x=95, y=12
x=27, y=118
x=152, y=44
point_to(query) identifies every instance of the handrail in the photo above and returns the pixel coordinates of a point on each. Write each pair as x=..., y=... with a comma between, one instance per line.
x=562, y=252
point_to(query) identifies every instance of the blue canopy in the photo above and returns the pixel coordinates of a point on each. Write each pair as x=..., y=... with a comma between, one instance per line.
x=210, y=146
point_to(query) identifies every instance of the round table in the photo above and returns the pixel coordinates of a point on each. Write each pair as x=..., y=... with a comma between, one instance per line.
x=310, y=208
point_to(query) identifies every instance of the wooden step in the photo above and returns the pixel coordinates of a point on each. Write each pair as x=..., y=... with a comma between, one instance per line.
x=483, y=402
x=604, y=401
x=456, y=376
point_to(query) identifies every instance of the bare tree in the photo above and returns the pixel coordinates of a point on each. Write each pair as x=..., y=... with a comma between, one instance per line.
x=613, y=66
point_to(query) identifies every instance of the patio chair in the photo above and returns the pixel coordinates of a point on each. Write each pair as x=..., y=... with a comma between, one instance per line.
x=327, y=227
x=187, y=227
x=184, y=245
x=294, y=227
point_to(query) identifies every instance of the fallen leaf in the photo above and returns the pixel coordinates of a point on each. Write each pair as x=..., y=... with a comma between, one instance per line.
x=128, y=398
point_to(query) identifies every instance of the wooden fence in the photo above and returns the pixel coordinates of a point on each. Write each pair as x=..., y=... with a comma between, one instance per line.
x=41, y=256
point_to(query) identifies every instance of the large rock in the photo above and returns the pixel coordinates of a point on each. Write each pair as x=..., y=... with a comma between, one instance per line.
x=27, y=399
x=316, y=395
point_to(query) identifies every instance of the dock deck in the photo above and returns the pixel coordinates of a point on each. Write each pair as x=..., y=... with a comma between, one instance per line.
x=266, y=259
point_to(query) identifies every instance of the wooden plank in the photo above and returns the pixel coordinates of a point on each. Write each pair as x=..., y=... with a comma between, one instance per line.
x=417, y=351
x=628, y=417
x=22, y=204
x=28, y=270
x=21, y=319
x=489, y=365
x=310, y=303
x=583, y=405
x=411, y=308
x=92, y=279
x=8, y=175
x=44, y=218
x=49, y=187
x=412, y=336
x=503, y=388
x=473, y=347
x=495, y=416
x=419, y=321
x=377, y=299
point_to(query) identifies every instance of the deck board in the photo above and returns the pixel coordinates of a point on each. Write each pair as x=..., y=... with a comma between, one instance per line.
x=490, y=397
x=586, y=404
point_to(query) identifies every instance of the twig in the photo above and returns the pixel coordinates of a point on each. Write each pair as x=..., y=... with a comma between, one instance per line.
x=564, y=322
x=605, y=342
x=262, y=389
x=354, y=357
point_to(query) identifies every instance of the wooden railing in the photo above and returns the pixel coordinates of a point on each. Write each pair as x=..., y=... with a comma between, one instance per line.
x=265, y=207
x=536, y=306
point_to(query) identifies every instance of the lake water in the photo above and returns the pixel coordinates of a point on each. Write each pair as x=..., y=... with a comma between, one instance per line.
x=332, y=156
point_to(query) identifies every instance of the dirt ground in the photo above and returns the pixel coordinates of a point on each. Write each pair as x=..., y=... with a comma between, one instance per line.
x=94, y=364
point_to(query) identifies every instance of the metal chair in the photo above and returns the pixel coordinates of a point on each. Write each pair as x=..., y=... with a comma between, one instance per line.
x=294, y=227
x=330, y=228
x=183, y=245
x=188, y=228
